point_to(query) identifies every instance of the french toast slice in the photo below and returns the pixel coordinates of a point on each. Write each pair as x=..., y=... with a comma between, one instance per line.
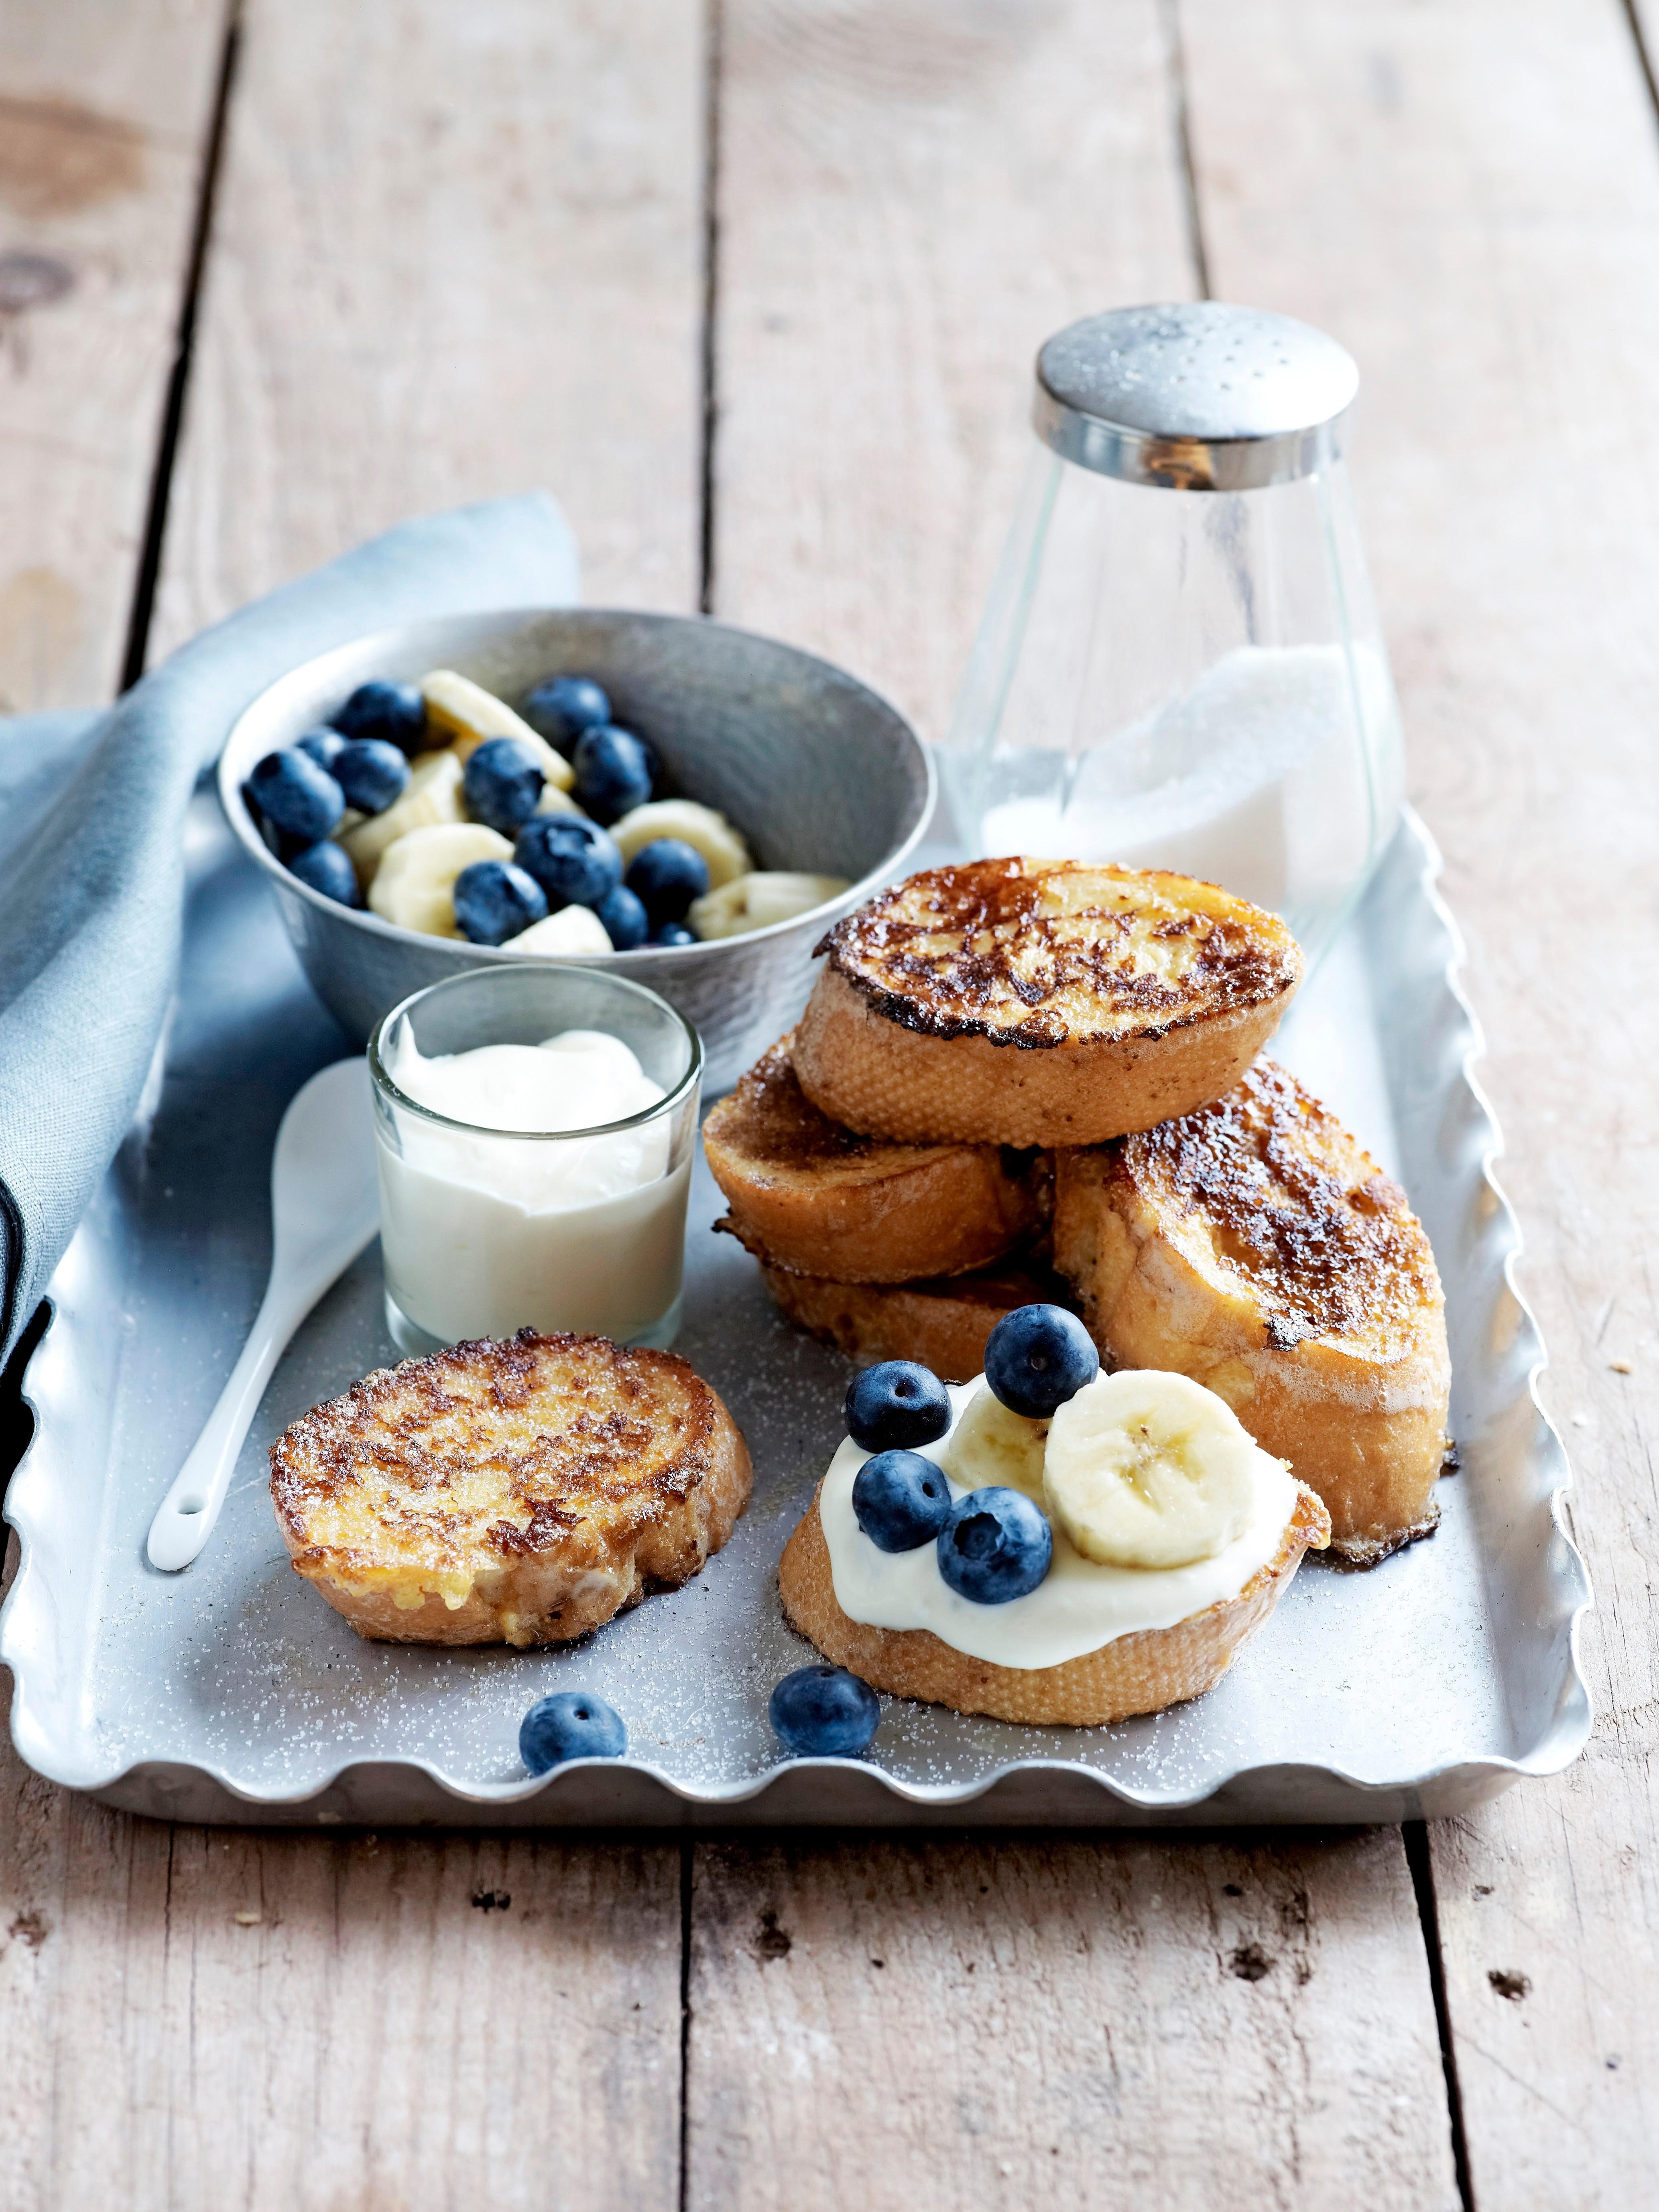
x=1141, y=1673
x=941, y=1324
x=1040, y=1002
x=520, y=1491
x=1256, y=1247
x=822, y=1200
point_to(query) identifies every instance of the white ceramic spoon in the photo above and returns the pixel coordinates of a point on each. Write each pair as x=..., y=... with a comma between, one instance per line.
x=325, y=1207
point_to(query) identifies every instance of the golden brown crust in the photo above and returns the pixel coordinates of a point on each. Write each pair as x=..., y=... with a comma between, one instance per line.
x=1255, y=1246
x=942, y=1325
x=1143, y=1673
x=1037, y=1002
x=824, y=1201
x=519, y=1491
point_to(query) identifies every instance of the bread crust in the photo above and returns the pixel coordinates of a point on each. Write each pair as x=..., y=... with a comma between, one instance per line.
x=825, y=1201
x=942, y=1325
x=1255, y=1246
x=1141, y=1673
x=1040, y=1003
x=521, y=1492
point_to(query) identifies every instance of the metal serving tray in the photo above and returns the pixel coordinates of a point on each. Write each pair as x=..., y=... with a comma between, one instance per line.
x=232, y=1693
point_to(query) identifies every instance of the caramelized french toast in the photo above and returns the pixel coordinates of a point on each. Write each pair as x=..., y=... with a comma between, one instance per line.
x=1255, y=1246
x=942, y=1325
x=818, y=1199
x=519, y=1493
x=1144, y=1671
x=1040, y=1002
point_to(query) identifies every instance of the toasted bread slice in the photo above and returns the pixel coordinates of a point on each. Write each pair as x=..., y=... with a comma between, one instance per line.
x=1254, y=1246
x=824, y=1201
x=941, y=1324
x=515, y=1493
x=1141, y=1673
x=1040, y=1002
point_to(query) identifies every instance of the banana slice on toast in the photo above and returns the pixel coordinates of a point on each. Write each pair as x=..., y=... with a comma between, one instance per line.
x=1254, y=1246
x=1040, y=1002
x=817, y=1199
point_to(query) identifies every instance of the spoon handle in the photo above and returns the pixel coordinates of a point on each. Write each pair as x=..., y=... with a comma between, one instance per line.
x=185, y=1517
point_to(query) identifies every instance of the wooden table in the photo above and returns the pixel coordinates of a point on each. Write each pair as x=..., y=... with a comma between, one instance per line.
x=755, y=288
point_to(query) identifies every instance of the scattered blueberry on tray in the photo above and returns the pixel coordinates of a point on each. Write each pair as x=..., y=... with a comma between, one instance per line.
x=897, y=1406
x=824, y=1712
x=570, y=1724
x=1038, y=1357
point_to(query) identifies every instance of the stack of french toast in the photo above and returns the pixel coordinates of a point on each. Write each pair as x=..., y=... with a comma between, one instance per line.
x=1023, y=1080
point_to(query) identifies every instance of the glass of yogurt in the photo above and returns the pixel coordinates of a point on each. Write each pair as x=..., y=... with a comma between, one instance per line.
x=535, y=1127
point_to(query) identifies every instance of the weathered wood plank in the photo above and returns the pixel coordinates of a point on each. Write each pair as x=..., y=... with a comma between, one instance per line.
x=1470, y=197
x=104, y=117
x=1080, y=2024
x=910, y=199
x=198, y=2021
x=913, y=195
x=456, y=251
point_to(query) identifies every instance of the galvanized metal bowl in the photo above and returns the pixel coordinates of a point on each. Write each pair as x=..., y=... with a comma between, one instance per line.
x=819, y=772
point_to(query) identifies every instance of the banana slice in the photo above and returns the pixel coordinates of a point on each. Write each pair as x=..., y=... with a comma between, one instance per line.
x=755, y=902
x=555, y=801
x=1148, y=1469
x=432, y=795
x=701, y=828
x=415, y=883
x=572, y=929
x=466, y=713
x=993, y=1444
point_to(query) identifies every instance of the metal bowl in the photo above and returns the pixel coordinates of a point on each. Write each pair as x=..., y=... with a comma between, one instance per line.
x=817, y=771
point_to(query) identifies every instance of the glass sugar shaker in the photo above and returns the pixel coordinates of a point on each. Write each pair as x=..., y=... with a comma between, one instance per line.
x=1180, y=664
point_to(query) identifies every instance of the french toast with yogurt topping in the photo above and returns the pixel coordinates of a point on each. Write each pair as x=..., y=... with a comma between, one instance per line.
x=1035, y=1002
x=820, y=1200
x=1255, y=1246
x=519, y=1491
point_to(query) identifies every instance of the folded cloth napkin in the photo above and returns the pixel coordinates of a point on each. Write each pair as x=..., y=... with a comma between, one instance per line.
x=92, y=809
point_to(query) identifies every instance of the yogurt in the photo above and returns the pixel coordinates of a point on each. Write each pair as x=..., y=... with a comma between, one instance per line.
x=518, y=1218
x=1078, y=1607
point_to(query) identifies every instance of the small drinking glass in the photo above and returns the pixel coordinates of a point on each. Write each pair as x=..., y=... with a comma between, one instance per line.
x=484, y=1231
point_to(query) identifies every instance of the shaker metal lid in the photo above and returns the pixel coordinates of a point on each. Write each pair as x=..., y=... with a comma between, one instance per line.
x=1199, y=396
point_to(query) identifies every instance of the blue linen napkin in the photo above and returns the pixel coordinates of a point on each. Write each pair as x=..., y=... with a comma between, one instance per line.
x=92, y=810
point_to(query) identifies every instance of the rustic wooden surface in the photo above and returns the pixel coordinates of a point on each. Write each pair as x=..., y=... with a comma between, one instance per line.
x=454, y=251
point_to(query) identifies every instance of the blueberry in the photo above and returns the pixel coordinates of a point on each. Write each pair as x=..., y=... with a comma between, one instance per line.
x=395, y=713
x=494, y=901
x=995, y=1545
x=626, y=922
x=901, y=1500
x=824, y=1712
x=673, y=932
x=327, y=870
x=570, y=1724
x=576, y=862
x=896, y=1406
x=371, y=773
x=294, y=794
x=322, y=745
x=613, y=772
x=667, y=875
x=1036, y=1357
x=561, y=709
x=503, y=784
